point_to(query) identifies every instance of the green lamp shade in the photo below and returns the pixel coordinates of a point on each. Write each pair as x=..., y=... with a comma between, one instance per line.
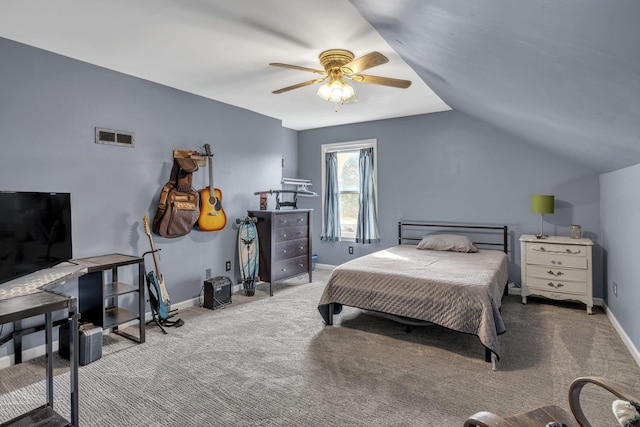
x=542, y=204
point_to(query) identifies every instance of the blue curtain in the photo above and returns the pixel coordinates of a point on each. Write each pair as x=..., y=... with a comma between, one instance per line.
x=331, y=228
x=367, y=231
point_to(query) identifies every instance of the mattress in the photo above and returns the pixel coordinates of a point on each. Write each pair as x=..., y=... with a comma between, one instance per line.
x=459, y=291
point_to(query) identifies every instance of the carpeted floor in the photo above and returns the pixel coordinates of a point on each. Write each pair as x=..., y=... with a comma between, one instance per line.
x=272, y=362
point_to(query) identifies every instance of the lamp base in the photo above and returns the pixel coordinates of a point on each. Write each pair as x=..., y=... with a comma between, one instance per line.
x=541, y=236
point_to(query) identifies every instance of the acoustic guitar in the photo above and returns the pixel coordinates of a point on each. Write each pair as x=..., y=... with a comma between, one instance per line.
x=212, y=216
x=155, y=278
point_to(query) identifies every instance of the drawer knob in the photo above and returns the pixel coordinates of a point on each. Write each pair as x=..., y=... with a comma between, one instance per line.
x=301, y=247
x=553, y=261
x=284, y=235
x=284, y=269
x=559, y=285
x=284, y=251
x=557, y=273
x=301, y=265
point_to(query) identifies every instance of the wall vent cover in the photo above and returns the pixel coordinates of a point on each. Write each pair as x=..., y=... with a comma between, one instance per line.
x=115, y=137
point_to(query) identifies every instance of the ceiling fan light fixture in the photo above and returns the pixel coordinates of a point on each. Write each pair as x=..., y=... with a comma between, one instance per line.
x=335, y=91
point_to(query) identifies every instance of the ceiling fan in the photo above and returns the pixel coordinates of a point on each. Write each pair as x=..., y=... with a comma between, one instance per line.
x=340, y=64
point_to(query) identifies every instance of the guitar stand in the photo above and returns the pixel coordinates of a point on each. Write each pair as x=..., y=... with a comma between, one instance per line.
x=153, y=303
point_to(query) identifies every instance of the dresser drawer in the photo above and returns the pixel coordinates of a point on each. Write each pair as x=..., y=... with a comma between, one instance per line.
x=290, y=220
x=553, y=273
x=291, y=233
x=554, y=260
x=290, y=249
x=564, y=286
x=290, y=267
x=551, y=248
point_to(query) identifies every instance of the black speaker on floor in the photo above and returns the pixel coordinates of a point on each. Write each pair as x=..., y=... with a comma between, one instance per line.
x=217, y=292
x=89, y=347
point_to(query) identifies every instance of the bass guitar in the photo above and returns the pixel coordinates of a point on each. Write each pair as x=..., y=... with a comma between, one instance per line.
x=155, y=278
x=212, y=216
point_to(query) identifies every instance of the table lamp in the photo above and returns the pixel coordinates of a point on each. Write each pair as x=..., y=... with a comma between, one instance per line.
x=542, y=204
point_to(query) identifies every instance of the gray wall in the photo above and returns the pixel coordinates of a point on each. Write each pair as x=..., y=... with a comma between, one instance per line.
x=451, y=167
x=49, y=107
x=620, y=204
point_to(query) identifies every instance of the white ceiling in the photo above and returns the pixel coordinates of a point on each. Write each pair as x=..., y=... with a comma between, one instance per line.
x=221, y=49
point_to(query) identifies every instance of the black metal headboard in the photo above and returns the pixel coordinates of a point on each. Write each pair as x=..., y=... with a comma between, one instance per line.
x=414, y=231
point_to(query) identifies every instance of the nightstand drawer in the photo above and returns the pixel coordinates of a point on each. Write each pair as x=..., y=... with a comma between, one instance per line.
x=552, y=273
x=554, y=260
x=290, y=220
x=564, y=286
x=291, y=267
x=550, y=248
x=290, y=249
x=291, y=233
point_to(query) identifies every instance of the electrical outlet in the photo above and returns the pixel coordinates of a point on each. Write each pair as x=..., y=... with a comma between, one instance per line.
x=207, y=273
x=227, y=266
x=350, y=250
x=615, y=289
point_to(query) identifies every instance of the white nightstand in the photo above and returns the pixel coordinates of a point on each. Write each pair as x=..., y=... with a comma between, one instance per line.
x=558, y=268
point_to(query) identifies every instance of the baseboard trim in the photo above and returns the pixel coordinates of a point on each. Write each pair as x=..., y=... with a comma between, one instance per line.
x=623, y=335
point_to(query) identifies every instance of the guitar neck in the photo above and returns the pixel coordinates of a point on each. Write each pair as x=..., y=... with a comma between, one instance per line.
x=155, y=258
x=210, y=175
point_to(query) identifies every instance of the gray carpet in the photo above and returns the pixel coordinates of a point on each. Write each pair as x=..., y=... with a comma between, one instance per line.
x=272, y=362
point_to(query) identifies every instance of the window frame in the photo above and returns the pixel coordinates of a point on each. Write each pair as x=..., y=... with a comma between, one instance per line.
x=344, y=147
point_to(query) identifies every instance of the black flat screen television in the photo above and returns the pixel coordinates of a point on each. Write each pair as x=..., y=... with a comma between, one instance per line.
x=35, y=232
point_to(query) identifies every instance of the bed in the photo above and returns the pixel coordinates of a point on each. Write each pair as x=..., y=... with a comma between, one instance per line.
x=457, y=290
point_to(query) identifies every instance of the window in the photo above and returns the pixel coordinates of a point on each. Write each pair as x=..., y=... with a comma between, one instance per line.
x=348, y=195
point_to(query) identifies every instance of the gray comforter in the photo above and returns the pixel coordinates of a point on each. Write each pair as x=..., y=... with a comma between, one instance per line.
x=460, y=291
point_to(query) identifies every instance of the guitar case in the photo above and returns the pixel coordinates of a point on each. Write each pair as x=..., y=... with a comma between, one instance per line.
x=179, y=204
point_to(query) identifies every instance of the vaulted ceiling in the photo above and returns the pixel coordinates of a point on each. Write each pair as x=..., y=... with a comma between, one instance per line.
x=562, y=74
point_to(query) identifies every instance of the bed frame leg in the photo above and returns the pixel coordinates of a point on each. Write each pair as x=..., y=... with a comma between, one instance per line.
x=489, y=356
x=330, y=316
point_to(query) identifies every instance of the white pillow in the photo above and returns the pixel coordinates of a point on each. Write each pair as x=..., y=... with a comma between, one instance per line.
x=447, y=242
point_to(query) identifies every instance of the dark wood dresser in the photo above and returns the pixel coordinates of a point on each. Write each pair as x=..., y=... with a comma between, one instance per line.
x=285, y=244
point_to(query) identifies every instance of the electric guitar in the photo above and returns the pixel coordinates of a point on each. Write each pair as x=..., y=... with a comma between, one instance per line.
x=156, y=279
x=212, y=216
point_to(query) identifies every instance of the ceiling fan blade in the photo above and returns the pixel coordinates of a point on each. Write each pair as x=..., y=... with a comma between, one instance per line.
x=297, y=67
x=377, y=80
x=365, y=62
x=303, y=84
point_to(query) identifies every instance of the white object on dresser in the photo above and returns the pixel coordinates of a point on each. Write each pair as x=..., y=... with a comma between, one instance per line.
x=557, y=267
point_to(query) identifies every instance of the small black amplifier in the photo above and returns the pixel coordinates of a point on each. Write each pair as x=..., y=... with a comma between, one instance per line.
x=217, y=292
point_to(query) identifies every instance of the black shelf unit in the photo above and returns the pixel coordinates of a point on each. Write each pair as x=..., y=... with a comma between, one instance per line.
x=98, y=299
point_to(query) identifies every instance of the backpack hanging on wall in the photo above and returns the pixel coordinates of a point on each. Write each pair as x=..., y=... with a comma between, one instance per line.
x=179, y=204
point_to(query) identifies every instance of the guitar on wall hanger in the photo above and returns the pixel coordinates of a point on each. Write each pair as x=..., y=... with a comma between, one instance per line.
x=156, y=279
x=212, y=216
